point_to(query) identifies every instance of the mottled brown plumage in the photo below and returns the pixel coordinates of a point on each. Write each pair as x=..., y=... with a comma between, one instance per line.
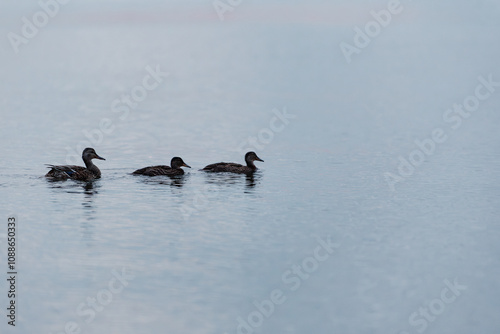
x=87, y=173
x=230, y=167
x=175, y=169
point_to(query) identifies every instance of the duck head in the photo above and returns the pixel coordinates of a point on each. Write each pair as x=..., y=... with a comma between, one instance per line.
x=250, y=157
x=89, y=154
x=178, y=163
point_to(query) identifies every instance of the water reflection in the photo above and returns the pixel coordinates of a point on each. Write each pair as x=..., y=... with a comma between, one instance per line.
x=229, y=179
x=251, y=181
x=88, y=189
x=177, y=181
x=223, y=179
x=71, y=186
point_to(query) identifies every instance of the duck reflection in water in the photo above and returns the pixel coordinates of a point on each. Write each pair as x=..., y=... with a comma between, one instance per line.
x=228, y=179
x=88, y=188
x=252, y=180
x=177, y=181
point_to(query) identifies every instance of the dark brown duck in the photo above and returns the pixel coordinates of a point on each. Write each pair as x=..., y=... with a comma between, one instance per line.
x=173, y=169
x=87, y=173
x=230, y=167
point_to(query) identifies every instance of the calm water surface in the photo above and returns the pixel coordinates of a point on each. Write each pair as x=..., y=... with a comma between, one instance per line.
x=197, y=253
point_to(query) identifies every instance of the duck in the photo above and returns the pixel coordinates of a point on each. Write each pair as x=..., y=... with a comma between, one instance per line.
x=88, y=173
x=174, y=169
x=230, y=167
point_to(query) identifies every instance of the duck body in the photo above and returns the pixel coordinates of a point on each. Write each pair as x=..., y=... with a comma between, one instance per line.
x=158, y=170
x=174, y=170
x=88, y=173
x=230, y=167
x=72, y=172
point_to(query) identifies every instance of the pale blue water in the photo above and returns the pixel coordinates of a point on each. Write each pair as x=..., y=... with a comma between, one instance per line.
x=203, y=248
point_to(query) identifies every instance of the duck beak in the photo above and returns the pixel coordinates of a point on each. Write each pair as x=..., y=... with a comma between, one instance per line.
x=98, y=157
x=186, y=165
x=258, y=159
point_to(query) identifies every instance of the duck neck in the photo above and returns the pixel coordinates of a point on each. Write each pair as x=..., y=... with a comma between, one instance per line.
x=91, y=167
x=251, y=165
